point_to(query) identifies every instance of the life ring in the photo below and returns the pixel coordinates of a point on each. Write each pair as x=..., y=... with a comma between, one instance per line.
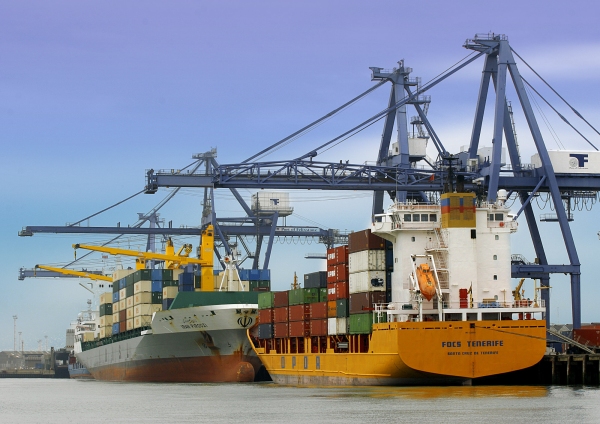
x=502, y=224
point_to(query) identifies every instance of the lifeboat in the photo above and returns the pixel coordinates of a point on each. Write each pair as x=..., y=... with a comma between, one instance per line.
x=426, y=281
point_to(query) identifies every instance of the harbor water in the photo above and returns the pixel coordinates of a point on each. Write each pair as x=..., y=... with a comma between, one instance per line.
x=59, y=401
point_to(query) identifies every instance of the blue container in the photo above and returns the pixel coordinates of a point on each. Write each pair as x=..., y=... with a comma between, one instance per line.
x=156, y=274
x=244, y=274
x=115, y=328
x=122, y=283
x=157, y=286
x=265, y=275
x=186, y=287
x=166, y=304
x=115, y=297
x=186, y=278
x=254, y=274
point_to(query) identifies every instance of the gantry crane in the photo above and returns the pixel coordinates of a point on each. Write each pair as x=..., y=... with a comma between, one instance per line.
x=396, y=175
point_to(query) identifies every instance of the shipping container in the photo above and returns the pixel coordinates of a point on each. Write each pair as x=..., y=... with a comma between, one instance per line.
x=115, y=297
x=123, y=315
x=106, y=320
x=280, y=314
x=170, y=283
x=301, y=296
x=331, y=308
x=265, y=316
x=265, y=331
x=360, y=323
x=115, y=307
x=364, y=240
x=157, y=298
x=587, y=335
x=318, y=327
x=336, y=326
x=186, y=278
x=156, y=274
x=367, y=281
x=337, y=273
x=123, y=326
x=129, y=280
x=315, y=280
x=280, y=330
x=129, y=313
x=129, y=291
x=341, y=290
x=115, y=317
x=123, y=293
x=299, y=312
x=129, y=324
x=115, y=328
x=323, y=295
x=105, y=298
x=104, y=333
x=170, y=292
x=265, y=300
x=337, y=255
x=186, y=287
x=142, y=321
x=142, y=286
x=105, y=309
x=341, y=308
x=122, y=304
x=361, y=302
x=123, y=283
x=142, y=275
x=318, y=310
x=379, y=318
x=166, y=303
x=146, y=309
x=144, y=297
x=129, y=301
x=280, y=299
x=299, y=328
x=366, y=260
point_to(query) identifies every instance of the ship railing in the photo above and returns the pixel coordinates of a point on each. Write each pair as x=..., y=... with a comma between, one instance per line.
x=411, y=308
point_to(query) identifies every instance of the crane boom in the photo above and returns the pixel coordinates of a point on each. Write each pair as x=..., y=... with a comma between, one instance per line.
x=72, y=272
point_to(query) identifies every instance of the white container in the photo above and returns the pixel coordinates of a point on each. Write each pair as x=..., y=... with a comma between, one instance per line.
x=144, y=297
x=170, y=292
x=104, y=333
x=366, y=260
x=337, y=326
x=122, y=294
x=571, y=162
x=129, y=302
x=115, y=317
x=106, y=320
x=106, y=298
x=129, y=324
x=116, y=307
x=142, y=286
x=123, y=304
x=129, y=314
x=145, y=309
x=141, y=321
x=367, y=281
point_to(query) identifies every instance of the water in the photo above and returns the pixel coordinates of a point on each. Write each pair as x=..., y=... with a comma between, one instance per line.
x=70, y=401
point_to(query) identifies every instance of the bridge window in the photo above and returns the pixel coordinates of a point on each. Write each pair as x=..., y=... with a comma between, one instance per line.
x=407, y=217
x=416, y=217
x=432, y=217
x=499, y=217
x=495, y=257
x=497, y=237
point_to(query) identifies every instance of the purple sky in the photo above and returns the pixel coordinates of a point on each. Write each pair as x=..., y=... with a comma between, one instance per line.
x=93, y=94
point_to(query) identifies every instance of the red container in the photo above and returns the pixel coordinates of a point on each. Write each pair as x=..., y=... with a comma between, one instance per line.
x=331, y=276
x=299, y=328
x=587, y=336
x=331, y=292
x=123, y=316
x=342, y=290
x=318, y=327
x=337, y=255
x=280, y=330
x=342, y=272
x=280, y=299
x=331, y=308
x=122, y=326
x=298, y=312
x=280, y=314
x=363, y=302
x=318, y=310
x=265, y=316
x=364, y=240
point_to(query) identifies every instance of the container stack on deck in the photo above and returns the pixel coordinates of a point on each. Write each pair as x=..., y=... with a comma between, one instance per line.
x=258, y=279
x=106, y=317
x=337, y=290
x=367, y=278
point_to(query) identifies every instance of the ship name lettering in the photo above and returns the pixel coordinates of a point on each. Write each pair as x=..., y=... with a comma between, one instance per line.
x=451, y=344
x=485, y=343
x=194, y=325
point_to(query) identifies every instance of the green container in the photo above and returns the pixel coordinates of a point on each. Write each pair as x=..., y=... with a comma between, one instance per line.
x=253, y=285
x=170, y=283
x=115, y=286
x=303, y=296
x=142, y=275
x=157, y=298
x=265, y=300
x=129, y=279
x=129, y=291
x=341, y=308
x=190, y=299
x=167, y=274
x=105, y=309
x=323, y=294
x=380, y=318
x=360, y=323
x=264, y=283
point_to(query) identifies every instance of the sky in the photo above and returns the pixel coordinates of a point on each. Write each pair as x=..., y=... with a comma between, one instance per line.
x=93, y=94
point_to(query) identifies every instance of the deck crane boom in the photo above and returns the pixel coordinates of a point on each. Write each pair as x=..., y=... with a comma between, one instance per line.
x=72, y=272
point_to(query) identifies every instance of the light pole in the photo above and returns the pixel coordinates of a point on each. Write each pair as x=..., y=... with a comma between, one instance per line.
x=15, y=333
x=20, y=332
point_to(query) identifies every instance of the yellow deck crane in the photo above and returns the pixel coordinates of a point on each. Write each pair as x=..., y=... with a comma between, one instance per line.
x=172, y=260
x=82, y=274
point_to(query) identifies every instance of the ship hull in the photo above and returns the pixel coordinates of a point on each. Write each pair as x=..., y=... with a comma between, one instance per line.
x=197, y=344
x=435, y=353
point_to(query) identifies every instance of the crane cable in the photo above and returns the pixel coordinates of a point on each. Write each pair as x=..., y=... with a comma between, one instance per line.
x=559, y=96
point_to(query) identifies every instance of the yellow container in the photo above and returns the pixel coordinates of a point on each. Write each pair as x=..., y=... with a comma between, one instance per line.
x=129, y=301
x=458, y=210
x=122, y=294
x=144, y=297
x=106, y=320
x=88, y=337
x=129, y=324
x=170, y=292
x=115, y=317
x=143, y=309
x=142, y=286
x=142, y=321
x=129, y=314
x=115, y=307
x=122, y=304
x=106, y=298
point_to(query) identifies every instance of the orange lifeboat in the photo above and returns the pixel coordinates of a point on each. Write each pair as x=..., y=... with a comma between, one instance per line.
x=426, y=281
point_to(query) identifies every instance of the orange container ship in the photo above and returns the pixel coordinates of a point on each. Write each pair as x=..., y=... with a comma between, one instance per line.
x=437, y=309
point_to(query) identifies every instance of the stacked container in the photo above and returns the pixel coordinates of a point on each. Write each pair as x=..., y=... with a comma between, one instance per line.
x=258, y=279
x=106, y=315
x=367, y=279
x=337, y=290
x=265, y=315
